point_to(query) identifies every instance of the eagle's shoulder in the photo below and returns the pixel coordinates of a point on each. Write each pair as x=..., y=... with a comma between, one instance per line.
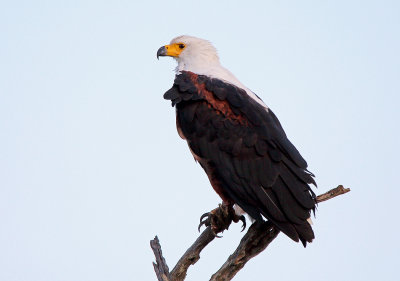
x=191, y=92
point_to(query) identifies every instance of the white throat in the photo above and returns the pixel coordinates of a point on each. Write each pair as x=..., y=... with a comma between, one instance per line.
x=201, y=57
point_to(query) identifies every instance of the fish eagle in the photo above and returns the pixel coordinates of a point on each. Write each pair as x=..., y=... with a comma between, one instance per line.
x=238, y=141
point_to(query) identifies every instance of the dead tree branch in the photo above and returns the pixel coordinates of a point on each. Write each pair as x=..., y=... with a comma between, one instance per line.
x=257, y=238
x=332, y=193
x=160, y=266
x=192, y=255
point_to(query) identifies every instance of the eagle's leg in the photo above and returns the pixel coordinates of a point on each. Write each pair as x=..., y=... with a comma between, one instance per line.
x=221, y=218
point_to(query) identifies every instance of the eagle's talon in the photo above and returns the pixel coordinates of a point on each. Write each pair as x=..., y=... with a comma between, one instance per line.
x=243, y=220
x=200, y=225
x=219, y=219
x=204, y=220
x=206, y=215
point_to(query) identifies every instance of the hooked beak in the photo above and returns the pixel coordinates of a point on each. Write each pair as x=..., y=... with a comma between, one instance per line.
x=162, y=52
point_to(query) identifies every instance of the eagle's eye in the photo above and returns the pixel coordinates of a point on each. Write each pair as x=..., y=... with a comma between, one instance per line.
x=181, y=46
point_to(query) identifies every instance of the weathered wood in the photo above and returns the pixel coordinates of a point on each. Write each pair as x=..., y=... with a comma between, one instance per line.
x=257, y=238
x=192, y=255
x=160, y=266
x=332, y=193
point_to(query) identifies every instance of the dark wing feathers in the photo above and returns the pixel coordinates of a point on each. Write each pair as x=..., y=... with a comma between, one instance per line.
x=306, y=177
x=258, y=167
x=299, y=190
x=261, y=147
x=295, y=212
x=190, y=111
x=250, y=138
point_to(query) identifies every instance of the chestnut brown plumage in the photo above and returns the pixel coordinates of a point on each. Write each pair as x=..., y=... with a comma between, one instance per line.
x=245, y=152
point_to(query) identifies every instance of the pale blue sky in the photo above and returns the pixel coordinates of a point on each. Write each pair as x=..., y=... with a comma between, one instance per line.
x=91, y=166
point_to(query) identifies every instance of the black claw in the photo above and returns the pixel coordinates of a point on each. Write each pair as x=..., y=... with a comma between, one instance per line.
x=200, y=225
x=243, y=219
x=203, y=216
x=204, y=221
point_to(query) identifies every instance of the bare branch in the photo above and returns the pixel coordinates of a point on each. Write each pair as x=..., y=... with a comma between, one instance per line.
x=332, y=193
x=160, y=266
x=192, y=255
x=257, y=238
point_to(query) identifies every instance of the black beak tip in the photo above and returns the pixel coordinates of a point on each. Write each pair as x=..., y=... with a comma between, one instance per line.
x=161, y=52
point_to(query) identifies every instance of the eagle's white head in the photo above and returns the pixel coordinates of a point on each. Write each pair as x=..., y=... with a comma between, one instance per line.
x=192, y=54
x=200, y=56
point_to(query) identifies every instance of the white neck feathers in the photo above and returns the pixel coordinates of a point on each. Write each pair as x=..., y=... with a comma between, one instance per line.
x=201, y=57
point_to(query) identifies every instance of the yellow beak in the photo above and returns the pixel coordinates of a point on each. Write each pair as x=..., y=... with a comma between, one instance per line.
x=173, y=50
